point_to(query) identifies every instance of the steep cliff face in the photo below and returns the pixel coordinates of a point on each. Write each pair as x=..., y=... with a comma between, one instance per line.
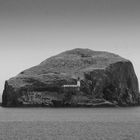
x=106, y=79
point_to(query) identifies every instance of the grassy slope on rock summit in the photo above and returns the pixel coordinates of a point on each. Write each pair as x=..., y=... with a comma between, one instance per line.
x=73, y=61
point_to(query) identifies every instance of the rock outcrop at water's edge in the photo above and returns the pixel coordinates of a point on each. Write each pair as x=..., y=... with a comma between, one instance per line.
x=106, y=80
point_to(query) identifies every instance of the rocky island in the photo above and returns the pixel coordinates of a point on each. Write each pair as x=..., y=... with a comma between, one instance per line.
x=78, y=77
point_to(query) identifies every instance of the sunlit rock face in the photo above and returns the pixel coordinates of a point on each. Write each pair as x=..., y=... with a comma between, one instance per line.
x=106, y=79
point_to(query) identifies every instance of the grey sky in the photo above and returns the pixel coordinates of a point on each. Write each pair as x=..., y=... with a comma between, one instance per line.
x=33, y=30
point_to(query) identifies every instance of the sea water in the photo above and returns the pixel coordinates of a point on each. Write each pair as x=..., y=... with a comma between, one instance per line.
x=125, y=114
x=70, y=123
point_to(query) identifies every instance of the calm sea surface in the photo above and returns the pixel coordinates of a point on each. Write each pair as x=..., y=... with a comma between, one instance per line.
x=70, y=123
x=71, y=114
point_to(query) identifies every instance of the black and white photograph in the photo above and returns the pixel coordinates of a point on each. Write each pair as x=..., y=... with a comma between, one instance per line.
x=70, y=69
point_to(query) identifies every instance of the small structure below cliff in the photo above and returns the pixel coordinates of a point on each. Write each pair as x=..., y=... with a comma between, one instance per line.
x=105, y=79
x=74, y=88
